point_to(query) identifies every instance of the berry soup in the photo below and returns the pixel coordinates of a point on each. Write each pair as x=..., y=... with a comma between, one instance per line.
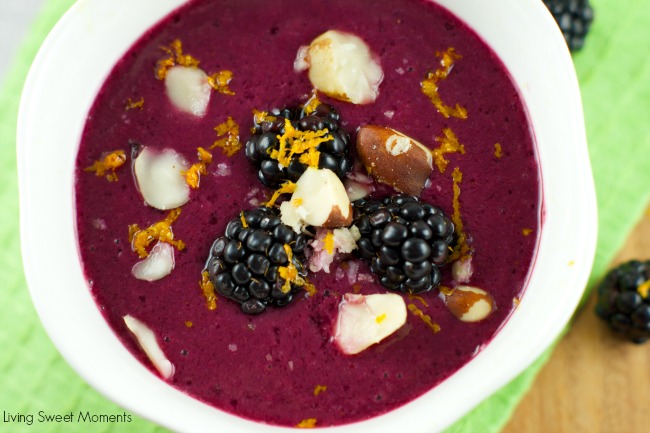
x=273, y=352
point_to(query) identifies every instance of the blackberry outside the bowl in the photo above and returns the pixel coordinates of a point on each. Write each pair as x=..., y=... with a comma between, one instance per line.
x=404, y=240
x=258, y=262
x=624, y=300
x=285, y=142
x=574, y=18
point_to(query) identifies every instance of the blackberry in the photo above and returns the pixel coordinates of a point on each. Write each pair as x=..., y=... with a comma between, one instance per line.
x=574, y=18
x=404, y=240
x=258, y=262
x=332, y=151
x=624, y=300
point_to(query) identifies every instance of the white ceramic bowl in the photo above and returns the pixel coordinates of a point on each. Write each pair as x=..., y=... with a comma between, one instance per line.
x=65, y=77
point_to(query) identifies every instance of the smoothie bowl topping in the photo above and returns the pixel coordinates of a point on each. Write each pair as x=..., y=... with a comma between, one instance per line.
x=342, y=66
x=110, y=162
x=188, y=86
x=259, y=261
x=338, y=240
x=288, y=141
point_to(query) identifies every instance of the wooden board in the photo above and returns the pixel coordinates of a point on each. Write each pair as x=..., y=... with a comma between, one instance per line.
x=593, y=382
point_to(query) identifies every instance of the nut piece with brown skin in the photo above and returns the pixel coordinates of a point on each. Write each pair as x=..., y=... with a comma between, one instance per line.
x=394, y=158
x=470, y=304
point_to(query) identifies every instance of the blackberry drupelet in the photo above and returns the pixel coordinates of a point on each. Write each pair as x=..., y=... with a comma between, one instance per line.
x=624, y=301
x=574, y=18
x=404, y=240
x=333, y=153
x=258, y=262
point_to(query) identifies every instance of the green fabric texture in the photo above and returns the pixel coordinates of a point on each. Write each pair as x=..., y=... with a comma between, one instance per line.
x=615, y=83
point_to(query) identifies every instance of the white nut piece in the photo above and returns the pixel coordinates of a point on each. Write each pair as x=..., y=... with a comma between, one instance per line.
x=342, y=66
x=158, y=264
x=319, y=200
x=469, y=303
x=188, y=89
x=159, y=178
x=147, y=341
x=344, y=242
x=462, y=270
x=366, y=320
x=356, y=190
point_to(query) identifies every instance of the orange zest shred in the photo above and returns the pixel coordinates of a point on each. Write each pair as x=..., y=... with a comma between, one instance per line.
x=329, y=242
x=310, y=288
x=208, y=291
x=244, y=224
x=262, y=116
x=424, y=317
x=312, y=104
x=174, y=57
x=498, y=151
x=319, y=389
x=189, y=324
x=310, y=158
x=643, y=289
x=286, y=188
x=131, y=105
x=445, y=290
x=429, y=85
x=193, y=174
x=307, y=423
x=526, y=232
x=204, y=156
x=109, y=162
x=161, y=231
x=419, y=298
x=289, y=273
x=461, y=249
x=219, y=81
x=448, y=144
x=380, y=318
x=295, y=142
x=133, y=229
x=229, y=144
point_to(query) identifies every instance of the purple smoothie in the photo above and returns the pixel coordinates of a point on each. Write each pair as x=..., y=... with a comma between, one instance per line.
x=267, y=367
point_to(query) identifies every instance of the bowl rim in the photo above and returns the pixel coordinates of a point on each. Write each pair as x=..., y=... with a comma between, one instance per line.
x=567, y=241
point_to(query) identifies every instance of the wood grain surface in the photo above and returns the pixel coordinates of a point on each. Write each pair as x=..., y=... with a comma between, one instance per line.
x=594, y=382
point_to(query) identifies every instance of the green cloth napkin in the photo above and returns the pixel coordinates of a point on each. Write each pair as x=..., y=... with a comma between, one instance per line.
x=614, y=75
